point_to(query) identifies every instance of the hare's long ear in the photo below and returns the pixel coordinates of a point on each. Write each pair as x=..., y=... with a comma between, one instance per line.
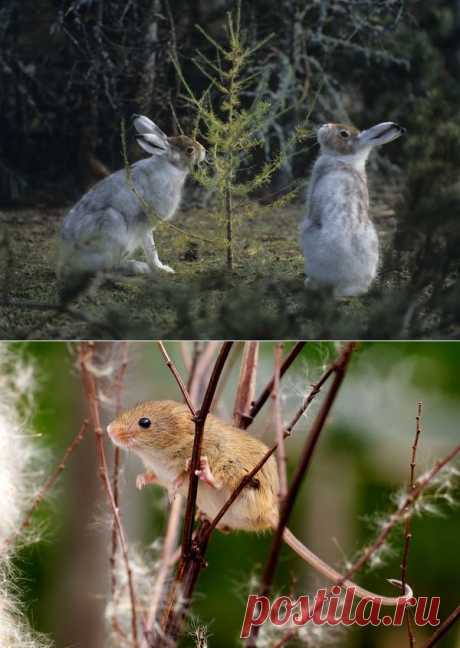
x=145, y=126
x=151, y=138
x=153, y=144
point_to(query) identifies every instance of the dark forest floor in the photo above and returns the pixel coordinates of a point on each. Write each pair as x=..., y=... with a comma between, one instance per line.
x=263, y=297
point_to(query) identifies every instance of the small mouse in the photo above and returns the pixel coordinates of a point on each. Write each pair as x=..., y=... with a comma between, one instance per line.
x=161, y=433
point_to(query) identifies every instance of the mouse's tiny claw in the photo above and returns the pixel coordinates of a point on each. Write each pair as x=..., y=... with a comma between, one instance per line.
x=204, y=472
x=146, y=478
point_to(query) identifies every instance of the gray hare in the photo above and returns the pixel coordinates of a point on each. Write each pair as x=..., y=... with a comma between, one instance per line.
x=339, y=240
x=109, y=223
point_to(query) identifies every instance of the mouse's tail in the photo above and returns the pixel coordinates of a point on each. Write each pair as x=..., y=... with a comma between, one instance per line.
x=333, y=575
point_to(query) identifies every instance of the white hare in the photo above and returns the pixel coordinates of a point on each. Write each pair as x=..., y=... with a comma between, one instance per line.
x=339, y=241
x=110, y=222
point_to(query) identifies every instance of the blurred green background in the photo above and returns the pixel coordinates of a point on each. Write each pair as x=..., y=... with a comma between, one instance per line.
x=363, y=457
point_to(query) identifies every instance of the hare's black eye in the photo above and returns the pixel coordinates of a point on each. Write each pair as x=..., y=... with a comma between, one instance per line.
x=145, y=422
x=345, y=134
x=190, y=150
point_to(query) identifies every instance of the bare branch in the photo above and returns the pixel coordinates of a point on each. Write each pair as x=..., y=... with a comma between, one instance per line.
x=281, y=450
x=265, y=395
x=90, y=387
x=408, y=523
x=246, y=383
x=200, y=420
x=172, y=367
x=419, y=487
x=50, y=482
x=167, y=559
x=339, y=367
x=443, y=628
x=118, y=388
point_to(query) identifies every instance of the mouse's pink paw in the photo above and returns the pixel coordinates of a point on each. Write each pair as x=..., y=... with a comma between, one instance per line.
x=204, y=472
x=146, y=478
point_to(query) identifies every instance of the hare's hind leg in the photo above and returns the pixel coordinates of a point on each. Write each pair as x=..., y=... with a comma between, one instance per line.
x=151, y=253
x=131, y=267
x=350, y=290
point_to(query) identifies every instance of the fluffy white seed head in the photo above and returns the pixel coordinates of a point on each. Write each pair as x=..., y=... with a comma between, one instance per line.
x=19, y=468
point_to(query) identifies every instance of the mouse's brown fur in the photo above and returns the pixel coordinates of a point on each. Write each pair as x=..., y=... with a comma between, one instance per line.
x=162, y=434
x=231, y=453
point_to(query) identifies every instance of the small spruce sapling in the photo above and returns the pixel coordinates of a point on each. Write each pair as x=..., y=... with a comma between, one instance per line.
x=233, y=131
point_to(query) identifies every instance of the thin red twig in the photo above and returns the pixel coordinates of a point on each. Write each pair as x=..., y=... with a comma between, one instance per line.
x=279, y=431
x=408, y=522
x=419, y=487
x=173, y=369
x=190, y=563
x=265, y=395
x=200, y=420
x=167, y=557
x=309, y=398
x=339, y=368
x=188, y=574
x=315, y=390
x=90, y=387
x=200, y=377
x=118, y=390
x=247, y=383
x=287, y=637
x=443, y=628
x=52, y=479
x=193, y=364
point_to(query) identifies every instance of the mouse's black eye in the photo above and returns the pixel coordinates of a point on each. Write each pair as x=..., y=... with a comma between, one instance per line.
x=345, y=134
x=145, y=422
x=190, y=150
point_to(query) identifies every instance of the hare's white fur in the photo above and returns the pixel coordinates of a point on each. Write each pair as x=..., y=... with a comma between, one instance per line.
x=109, y=223
x=339, y=241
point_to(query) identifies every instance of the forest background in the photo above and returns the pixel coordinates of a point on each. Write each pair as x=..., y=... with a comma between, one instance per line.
x=71, y=72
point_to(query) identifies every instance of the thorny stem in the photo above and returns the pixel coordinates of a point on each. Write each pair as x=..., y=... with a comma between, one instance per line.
x=281, y=450
x=339, y=368
x=265, y=395
x=90, y=387
x=419, y=487
x=443, y=628
x=408, y=521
